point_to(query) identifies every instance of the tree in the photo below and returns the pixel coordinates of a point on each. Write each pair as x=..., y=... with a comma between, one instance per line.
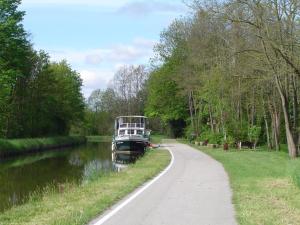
x=15, y=54
x=125, y=96
x=164, y=100
x=275, y=24
x=37, y=98
x=128, y=85
x=234, y=65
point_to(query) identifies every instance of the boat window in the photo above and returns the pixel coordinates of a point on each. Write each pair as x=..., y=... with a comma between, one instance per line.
x=140, y=132
x=130, y=131
x=121, y=132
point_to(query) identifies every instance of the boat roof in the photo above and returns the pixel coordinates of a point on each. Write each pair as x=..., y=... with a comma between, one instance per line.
x=132, y=117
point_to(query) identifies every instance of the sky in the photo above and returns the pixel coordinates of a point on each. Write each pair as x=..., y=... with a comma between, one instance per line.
x=97, y=37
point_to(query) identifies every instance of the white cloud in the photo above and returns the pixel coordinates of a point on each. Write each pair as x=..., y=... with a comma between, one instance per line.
x=95, y=79
x=143, y=42
x=71, y=56
x=93, y=59
x=127, y=53
x=139, y=49
x=129, y=7
x=90, y=63
x=104, y=3
x=147, y=7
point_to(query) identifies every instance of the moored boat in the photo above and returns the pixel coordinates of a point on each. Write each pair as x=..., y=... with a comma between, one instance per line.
x=131, y=137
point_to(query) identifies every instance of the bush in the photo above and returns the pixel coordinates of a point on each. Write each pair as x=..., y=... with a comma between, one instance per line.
x=189, y=132
x=253, y=133
x=211, y=137
x=229, y=140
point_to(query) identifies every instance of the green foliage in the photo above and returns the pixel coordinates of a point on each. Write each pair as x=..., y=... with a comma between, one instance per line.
x=15, y=54
x=37, y=98
x=211, y=137
x=231, y=80
x=125, y=95
x=164, y=99
x=238, y=129
x=229, y=140
x=101, y=112
x=254, y=132
x=189, y=132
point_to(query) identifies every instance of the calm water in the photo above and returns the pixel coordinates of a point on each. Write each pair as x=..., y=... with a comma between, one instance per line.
x=19, y=177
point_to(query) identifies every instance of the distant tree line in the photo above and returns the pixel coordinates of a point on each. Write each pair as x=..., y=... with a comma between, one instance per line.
x=125, y=95
x=228, y=73
x=37, y=97
x=231, y=72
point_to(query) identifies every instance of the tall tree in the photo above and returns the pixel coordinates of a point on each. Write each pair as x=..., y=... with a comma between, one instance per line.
x=15, y=61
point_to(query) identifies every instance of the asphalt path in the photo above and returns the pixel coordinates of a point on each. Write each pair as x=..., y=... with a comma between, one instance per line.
x=194, y=190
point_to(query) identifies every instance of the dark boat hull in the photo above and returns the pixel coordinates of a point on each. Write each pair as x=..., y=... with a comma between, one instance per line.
x=126, y=151
x=136, y=147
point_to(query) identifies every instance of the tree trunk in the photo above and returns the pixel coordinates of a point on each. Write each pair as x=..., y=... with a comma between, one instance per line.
x=267, y=128
x=289, y=136
x=295, y=109
x=275, y=124
x=191, y=110
x=211, y=119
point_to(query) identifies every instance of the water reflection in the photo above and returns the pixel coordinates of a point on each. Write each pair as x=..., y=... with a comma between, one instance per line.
x=21, y=176
x=125, y=158
x=121, y=160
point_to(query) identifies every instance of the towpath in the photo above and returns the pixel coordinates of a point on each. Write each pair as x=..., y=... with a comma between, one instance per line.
x=194, y=191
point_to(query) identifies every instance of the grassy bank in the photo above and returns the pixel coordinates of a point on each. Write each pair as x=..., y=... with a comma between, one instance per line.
x=79, y=204
x=266, y=185
x=9, y=147
x=99, y=138
x=157, y=138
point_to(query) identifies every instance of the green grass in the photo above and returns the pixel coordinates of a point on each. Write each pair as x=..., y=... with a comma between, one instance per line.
x=265, y=184
x=20, y=146
x=15, y=146
x=78, y=204
x=157, y=138
x=99, y=138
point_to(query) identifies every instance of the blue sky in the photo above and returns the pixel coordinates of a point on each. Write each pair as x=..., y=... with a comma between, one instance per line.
x=98, y=36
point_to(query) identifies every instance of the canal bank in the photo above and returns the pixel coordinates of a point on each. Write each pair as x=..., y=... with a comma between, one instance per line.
x=79, y=203
x=29, y=175
x=15, y=147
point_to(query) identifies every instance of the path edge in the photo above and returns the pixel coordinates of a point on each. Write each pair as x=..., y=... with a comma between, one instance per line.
x=131, y=196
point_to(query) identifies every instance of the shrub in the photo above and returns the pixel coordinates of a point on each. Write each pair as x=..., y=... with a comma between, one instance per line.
x=229, y=140
x=211, y=137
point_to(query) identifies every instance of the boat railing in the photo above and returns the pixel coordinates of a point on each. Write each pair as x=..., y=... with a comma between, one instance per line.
x=132, y=125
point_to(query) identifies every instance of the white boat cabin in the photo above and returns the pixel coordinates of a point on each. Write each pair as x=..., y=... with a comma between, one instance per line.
x=131, y=125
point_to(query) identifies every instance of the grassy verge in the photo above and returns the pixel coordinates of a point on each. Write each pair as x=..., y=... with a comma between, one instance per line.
x=10, y=147
x=79, y=204
x=99, y=138
x=265, y=185
x=157, y=138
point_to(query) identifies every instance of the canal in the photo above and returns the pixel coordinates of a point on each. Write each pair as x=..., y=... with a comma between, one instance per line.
x=26, y=176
